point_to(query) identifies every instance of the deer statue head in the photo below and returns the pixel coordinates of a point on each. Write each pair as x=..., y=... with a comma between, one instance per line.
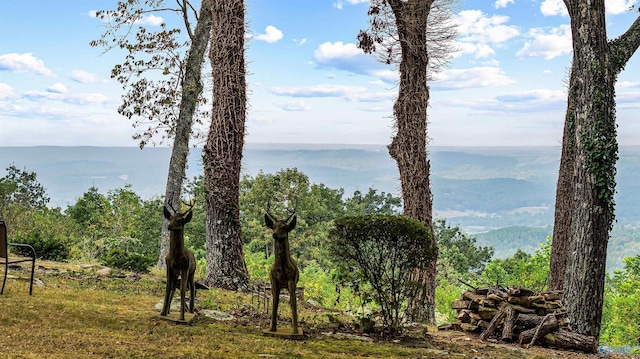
x=177, y=220
x=280, y=228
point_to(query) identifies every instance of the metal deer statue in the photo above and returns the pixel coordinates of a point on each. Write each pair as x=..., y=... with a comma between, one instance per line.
x=284, y=271
x=181, y=263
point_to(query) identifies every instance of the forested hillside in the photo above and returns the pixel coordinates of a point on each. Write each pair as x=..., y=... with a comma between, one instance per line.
x=503, y=195
x=121, y=229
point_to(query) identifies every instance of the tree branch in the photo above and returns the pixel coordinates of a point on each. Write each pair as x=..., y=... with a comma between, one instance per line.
x=622, y=48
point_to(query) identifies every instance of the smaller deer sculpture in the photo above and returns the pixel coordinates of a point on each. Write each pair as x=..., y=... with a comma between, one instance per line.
x=181, y=263
x=284, y=271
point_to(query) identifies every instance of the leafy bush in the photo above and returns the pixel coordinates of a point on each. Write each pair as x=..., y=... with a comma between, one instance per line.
x=46, y=230
x=459, y=257
x=621, y=298
x=318, y=285
x=381, y=250
x=124, y=253
x=118, y=258
x=48, y=248
x=258, y=266
x=523, y=269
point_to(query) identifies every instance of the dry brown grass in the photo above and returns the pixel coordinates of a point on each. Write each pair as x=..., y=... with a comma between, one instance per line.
x=78, y=314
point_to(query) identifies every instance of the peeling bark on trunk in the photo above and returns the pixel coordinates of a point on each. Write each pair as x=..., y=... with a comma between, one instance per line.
x=191, y=90
x=409, y=146
x=226, y=267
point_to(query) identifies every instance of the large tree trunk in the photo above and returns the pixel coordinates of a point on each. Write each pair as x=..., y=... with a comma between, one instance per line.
x=596, y=64
x=191, y=90
x=409, y=146
x=226, y=267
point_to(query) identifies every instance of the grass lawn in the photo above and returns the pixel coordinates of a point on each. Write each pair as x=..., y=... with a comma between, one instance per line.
x=80, y=314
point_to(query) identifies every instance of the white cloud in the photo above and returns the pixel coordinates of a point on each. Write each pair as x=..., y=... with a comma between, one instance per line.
x=628, y=100
x=348, y=57
x=374, y=97
x=480, y=32
x=57, y=88
x=318, y=91
x=348, y=93
x=340, y=3
x=23, y=63
x=271, y=35
x=301, y=41
x=616, y=7
x=84, y=99
x=150, y=20
x=622, y=84
x=548, y=45
x=58, y=92
x=478, y=51
x=387, y=75
x=503, y=3
x=329, y=51
x=540, y=100
x=540, y=95
x=85, y=77
x=472, y=77
x=553, y=7
x=42, y=95
x=475, y=26
x=6, y=92
x=294, y=106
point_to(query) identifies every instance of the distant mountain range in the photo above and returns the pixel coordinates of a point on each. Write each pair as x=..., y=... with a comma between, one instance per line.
x=478, y=188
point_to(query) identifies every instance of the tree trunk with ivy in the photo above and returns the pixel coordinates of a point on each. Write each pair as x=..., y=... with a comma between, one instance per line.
x=409, y=146
x=191, y=90
x=591, y=131
x=226, y=267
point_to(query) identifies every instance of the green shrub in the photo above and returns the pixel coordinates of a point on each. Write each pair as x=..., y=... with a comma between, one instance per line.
x=46, y=247
x=258, y=266
x=118, y=258
x=621, y=298
x=124, y=253
x=527, y=270
x=47, y=230
x=381, y=250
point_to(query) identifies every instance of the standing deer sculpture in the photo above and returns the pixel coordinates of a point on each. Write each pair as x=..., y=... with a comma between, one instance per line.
x=284, y=271
x=180, y=261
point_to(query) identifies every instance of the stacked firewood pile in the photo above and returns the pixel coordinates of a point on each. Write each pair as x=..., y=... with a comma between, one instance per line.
x=518, y=315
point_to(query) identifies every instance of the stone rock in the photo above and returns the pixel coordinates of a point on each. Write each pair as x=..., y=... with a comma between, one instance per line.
x=175, y=303
x=348, y=336
x=221, y=316
x=104, y=272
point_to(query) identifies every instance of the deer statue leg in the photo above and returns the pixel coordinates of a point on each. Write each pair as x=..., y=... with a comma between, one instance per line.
x=168, y=294
x=192, y=291
x=294, y=305
x=275, y=300
x=183, y=290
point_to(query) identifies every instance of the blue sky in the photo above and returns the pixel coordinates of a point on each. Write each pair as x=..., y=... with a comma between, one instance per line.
x=308, y=82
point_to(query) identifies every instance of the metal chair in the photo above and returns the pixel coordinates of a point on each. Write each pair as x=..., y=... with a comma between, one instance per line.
x=6, y=260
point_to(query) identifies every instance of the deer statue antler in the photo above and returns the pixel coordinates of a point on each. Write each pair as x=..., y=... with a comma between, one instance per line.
x=191, y=204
